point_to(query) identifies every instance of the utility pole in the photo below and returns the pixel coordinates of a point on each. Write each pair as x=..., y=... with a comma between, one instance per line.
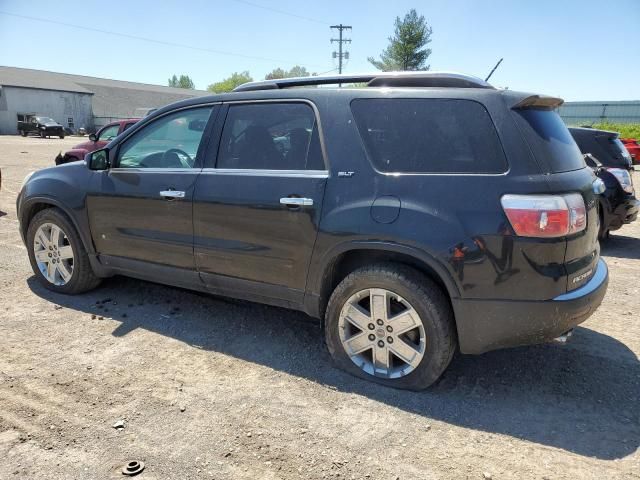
x=340, y=54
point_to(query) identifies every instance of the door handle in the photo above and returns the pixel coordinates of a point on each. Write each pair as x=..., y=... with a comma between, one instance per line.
x=171, y=194
x=296, y=201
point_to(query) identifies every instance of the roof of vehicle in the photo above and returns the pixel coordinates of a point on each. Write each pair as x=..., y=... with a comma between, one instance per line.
x=376, y=79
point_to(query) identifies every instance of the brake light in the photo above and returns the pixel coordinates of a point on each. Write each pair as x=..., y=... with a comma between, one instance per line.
x=624, y=178
x=545, y=216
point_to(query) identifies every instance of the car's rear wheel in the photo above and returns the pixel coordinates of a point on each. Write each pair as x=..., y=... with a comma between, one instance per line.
x=61, y=136
x=390, y=324
x=603, y=231
x=57, y=255
x=43, y=134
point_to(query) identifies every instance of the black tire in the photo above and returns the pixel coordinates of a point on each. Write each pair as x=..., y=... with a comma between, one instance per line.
x=603, y=232
x=82, y=277
x=425, y=297
x=43, y=135
x=61, y=136
x=23, y=133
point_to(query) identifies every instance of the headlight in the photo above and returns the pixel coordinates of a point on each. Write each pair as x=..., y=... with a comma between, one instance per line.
x=26, y=179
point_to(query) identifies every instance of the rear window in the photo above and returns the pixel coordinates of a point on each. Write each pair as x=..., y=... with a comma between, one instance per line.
x=550, y=140
x=429, y=135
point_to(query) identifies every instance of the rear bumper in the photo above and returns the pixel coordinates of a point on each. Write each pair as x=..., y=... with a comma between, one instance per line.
x=624, y=213
x=485, y=325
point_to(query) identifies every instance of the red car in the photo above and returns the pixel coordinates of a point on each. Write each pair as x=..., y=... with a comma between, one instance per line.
x=96, y=141
x=633, y=146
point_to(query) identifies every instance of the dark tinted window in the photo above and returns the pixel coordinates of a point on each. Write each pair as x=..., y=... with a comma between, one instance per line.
x=270, y=136
x=429, y=136
x=550, y=139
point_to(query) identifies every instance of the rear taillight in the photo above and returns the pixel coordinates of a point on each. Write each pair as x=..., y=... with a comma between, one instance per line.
x=545, y=216
x=624, y=178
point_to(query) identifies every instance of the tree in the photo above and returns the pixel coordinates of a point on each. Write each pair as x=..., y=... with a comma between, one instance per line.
x=183, y=82
x=405, y=50
x=228, y=84
x=296, y=71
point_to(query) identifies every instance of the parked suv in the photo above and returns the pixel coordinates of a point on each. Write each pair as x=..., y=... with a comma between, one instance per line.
x=96, y=141
x=419, y=214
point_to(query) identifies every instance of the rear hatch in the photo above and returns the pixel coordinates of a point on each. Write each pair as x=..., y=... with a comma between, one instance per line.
x=560, y=159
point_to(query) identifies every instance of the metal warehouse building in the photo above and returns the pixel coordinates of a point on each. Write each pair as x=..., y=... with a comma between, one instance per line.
x=586, y=113
x=76, y=101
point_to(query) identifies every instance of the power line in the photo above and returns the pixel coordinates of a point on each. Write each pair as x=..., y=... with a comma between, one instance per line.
x=339, y=54
x=154, y=40
x=282, y=12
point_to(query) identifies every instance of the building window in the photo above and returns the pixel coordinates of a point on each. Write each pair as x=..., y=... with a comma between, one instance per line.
x=70, y=122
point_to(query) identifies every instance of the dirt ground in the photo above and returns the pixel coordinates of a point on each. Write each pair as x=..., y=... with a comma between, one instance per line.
x=215, y=388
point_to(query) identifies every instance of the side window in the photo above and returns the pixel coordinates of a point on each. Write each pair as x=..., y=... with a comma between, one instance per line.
x=127, y=125
x=171, y=141
x=270, y=136
x=108, y=133
x=429, y=136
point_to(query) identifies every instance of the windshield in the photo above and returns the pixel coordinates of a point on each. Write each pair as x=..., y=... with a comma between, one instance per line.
x=45, y=120
x=551, y=141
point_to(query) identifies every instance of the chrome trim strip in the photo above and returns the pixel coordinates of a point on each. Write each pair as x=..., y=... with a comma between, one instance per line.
x=267, y=173
x=154, y=170
x=592, y=285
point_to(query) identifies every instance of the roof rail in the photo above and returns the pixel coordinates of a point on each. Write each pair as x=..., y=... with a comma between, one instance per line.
x=377, y=79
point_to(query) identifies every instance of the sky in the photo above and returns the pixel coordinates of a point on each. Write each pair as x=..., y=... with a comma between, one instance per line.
x=574, y=49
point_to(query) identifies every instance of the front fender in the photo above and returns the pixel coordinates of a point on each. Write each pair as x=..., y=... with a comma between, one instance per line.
x=63, y=187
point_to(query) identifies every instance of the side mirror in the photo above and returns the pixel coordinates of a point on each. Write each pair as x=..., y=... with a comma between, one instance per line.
x=93, y=137
x=98, y=159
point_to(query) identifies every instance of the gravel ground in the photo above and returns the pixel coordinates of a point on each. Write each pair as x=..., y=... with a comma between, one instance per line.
x=215, y=388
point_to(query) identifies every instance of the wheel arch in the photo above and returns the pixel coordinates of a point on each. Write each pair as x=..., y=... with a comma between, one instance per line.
x=36, y=204
x=344, y=259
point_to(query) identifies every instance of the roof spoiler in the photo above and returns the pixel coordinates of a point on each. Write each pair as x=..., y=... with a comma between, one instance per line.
x=541, y=102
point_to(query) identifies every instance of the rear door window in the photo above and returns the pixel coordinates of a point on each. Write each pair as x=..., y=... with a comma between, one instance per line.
x=550, y=140
x=270, y=136
x=429, y=135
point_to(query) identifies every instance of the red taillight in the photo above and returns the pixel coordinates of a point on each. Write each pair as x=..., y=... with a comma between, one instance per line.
x=545, y=216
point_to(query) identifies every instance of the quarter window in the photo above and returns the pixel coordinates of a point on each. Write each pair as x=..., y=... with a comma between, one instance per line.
x=270, y=136
x=429, y=135
x=171, y=141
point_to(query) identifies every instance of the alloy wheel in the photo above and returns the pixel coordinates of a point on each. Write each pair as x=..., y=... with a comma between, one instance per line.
x=53, y=254
x=382, y=333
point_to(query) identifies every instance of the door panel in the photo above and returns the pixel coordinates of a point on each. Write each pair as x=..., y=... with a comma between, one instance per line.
x=243, y=231
x=132, y=212
x=130, y=219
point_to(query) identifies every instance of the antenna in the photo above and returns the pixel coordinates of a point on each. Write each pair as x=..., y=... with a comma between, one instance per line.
x=494, y=69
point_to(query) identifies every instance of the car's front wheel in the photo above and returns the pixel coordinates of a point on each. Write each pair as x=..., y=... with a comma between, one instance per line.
x=23, y=133
x=390, y=324
x=57, y=255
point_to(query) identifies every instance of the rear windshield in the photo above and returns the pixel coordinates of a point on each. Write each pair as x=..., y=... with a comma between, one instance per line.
x=429, y=135
x=551, y=141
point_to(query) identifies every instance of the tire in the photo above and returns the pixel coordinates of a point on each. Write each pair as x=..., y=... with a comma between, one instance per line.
x=61, y=136
x=603, y=232
x=43, y=135
x=410, y=287
x=81, y=277
x=23, y=133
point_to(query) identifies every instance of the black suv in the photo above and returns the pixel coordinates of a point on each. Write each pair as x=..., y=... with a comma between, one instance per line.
x=419, y=214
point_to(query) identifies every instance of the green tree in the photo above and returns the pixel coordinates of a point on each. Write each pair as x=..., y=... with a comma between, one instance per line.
x=183, y=82
x=296, y=71
x=228, y=84
x=405, y=50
